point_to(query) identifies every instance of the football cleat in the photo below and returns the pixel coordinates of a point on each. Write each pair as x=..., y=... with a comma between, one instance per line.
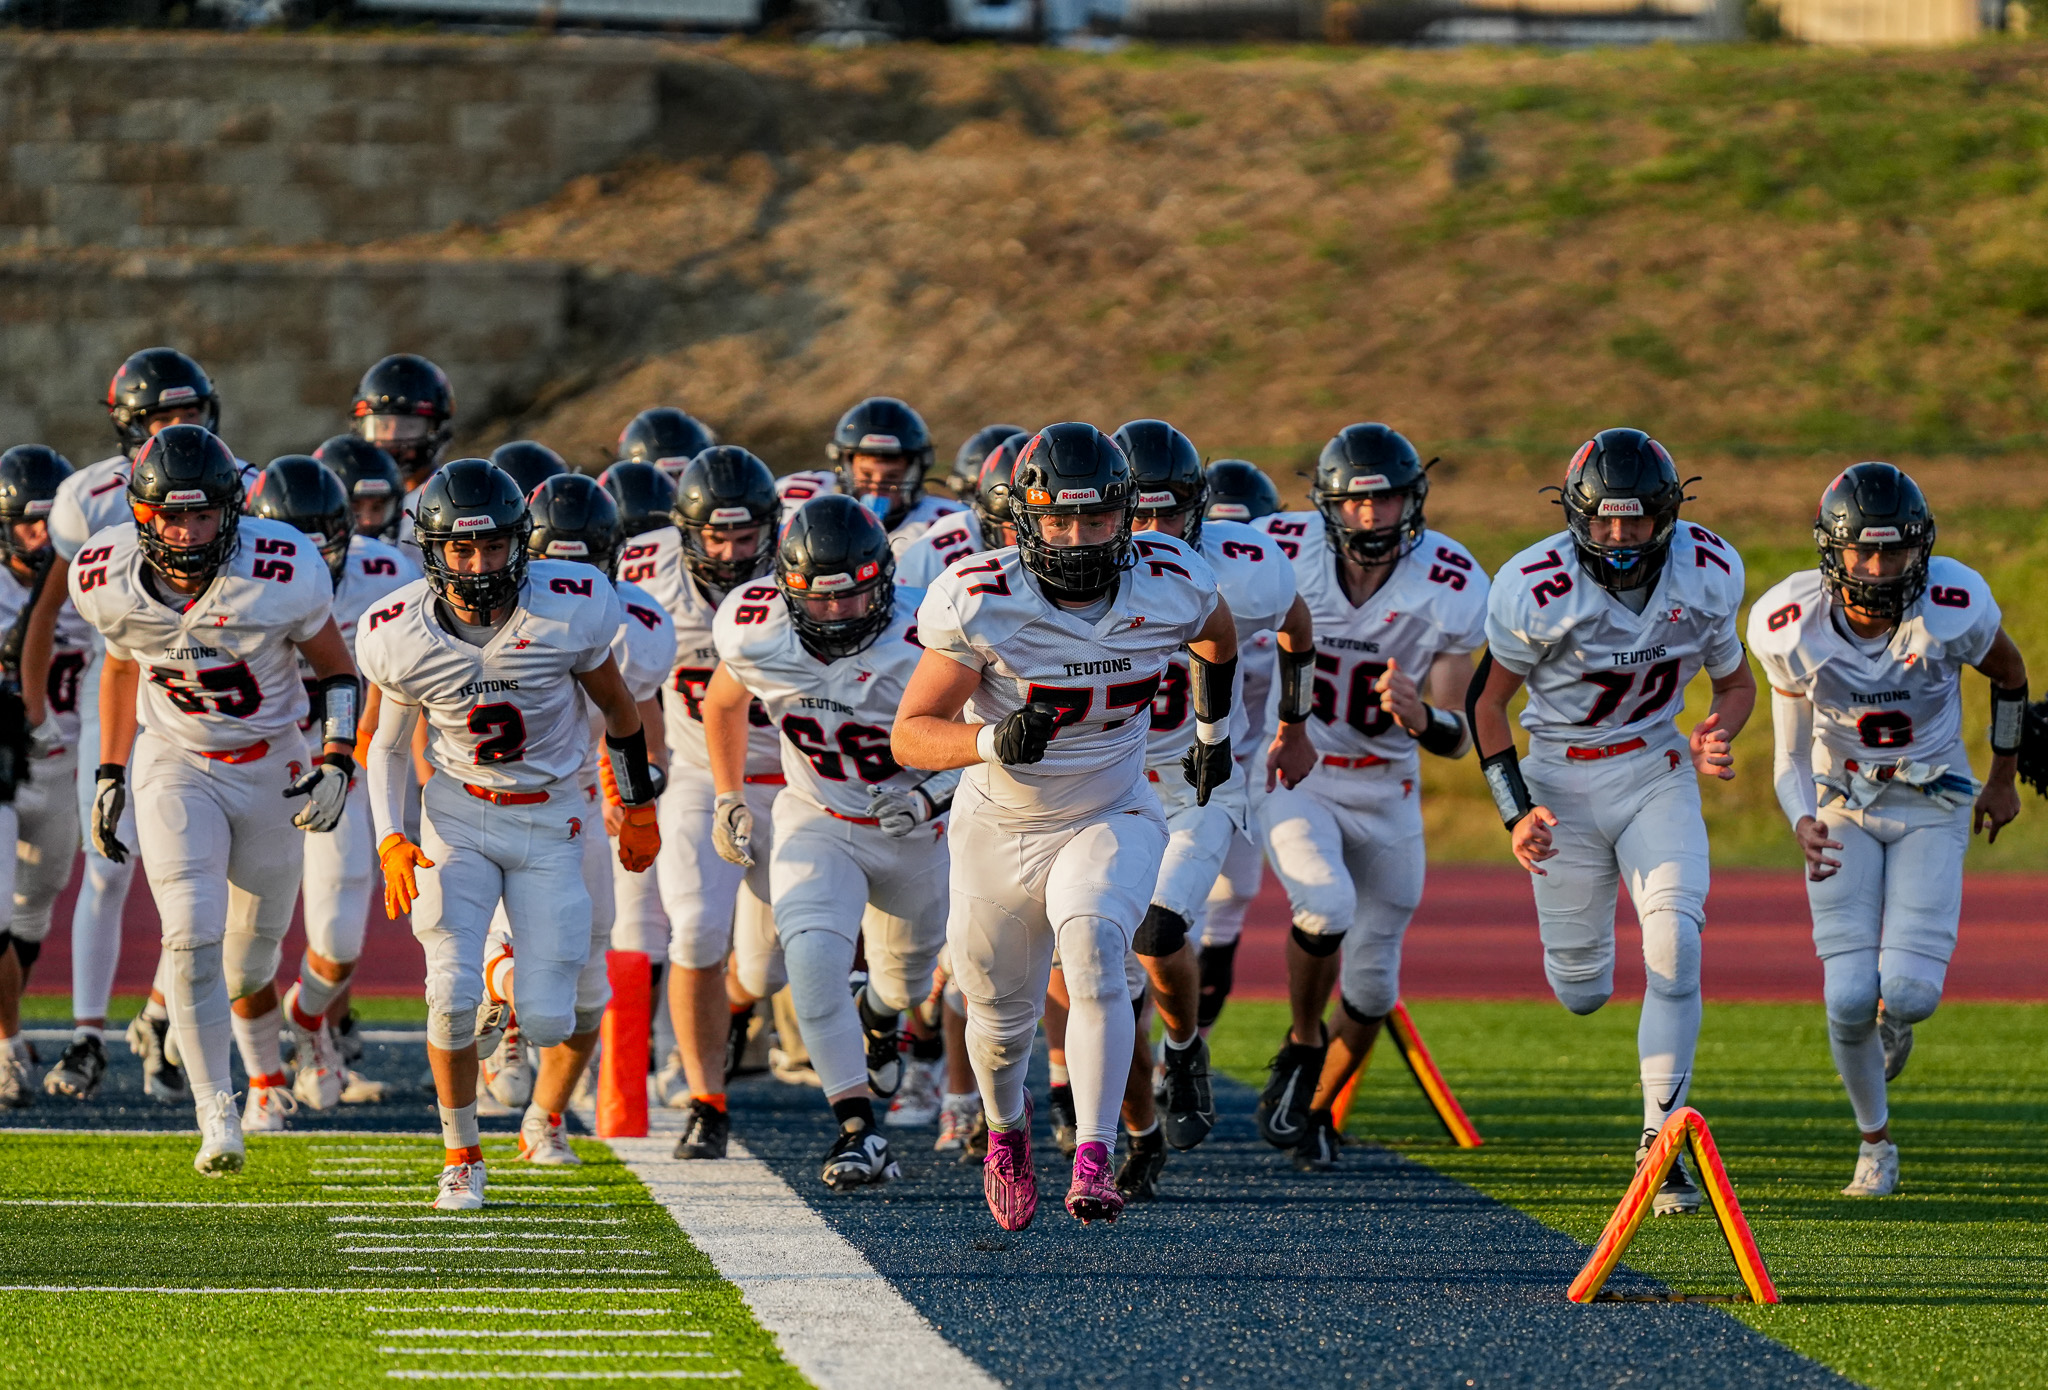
x=705, y=1135
x=507, y=1072
x=1897, y=1037
x=321, y=1072
x=957, y=1115
x=1137, y=1177
x=542, y=1141
x=1290, y=1086
x=1065, y=1128
x=977, y=1138
x=460, y=1188
x=1189, y=1112
x=917, y=1104
x=1093, y=1196
x=735, y=1041
x=790, y=1069
x=672, y=1082
x=221, y=1149
x=1317, y=1151
x=885, y=1049
x=17, y=1086
x=348, y=1038
x=268, y=1109
x=491, y=1021
x=79, y=1071
x=858, y=1158
x=360, y=1090
x=1877, y=1170
x=162, y=1079
x=1680, y=1195
x=1007, y=1180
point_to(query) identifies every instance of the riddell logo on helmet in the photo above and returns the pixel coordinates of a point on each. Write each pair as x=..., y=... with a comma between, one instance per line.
x=373, y=487
x=1620, y=506
x=570, y=548
x=1877, y=535
x=475, y=523
x=1079, y=494
x=879, y=441
x=170, y=395
x=831, y=583
x=730, y=516
x=39, y=508
x=1154, y=499
x=185, y=497
x=1230, y=511
x=1371, y=482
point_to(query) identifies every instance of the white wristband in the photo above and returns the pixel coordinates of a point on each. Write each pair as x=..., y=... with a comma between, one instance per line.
x=985, y=744
x=1206, y=732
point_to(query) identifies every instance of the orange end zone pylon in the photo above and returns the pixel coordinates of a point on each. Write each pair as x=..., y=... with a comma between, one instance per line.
x=622, y=1067
x=1408, y=1042
x=1686, y=1126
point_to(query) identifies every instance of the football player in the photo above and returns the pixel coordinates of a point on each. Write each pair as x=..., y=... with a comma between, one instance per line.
x=1865, y=657
x=405, y=406
x=1606, y=622
x=968, y=458
x=1258, y=586
x=43, y=814
x=984, y=525
x=1398, y=610
x=1055, y=650
x=529, y=463
x=499, y=652
x=340, y=867
x=881, y=452
x=152, y=390
x=372, y=480
x=828, y=649
x=795, y=489
x=665, y=437
x=218, y=608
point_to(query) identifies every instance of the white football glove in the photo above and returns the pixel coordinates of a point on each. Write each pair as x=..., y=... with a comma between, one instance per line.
x=326, y=791
x=46, y=739
x=109, y=800
x=899, y=811
x=732, y=827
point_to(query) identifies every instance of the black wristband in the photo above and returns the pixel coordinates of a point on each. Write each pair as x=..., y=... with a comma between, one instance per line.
x=2008, y=718
x=346, y=762
x=1510, y=793
x=1444, y=735
x=1297, y=685
x=629, y=767
x=118, y=772
x=1213, y=682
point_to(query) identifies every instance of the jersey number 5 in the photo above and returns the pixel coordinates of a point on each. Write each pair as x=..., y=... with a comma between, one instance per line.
x=232, y=689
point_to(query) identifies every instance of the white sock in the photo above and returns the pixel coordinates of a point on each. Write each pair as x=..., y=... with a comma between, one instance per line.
x=258, y=1042
x=1666, y=1040
x=1060, y=1075
x=458, y=1126
x=1861, y=1064
x=1183, y=1045
x=87, y=1030
x=316, y=993
x=199, y=1018
x=1101, y=1029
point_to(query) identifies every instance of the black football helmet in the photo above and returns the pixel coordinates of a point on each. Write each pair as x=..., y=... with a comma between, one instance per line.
x=1370, y=460
x=883, y=427
x=1874, y=506
x=575, y=519
x=834, y=548
x=644, y=493
x=968, y=460
x=401, y=387
x=1622, y=472
x=723, y=487
x=185, y=468
x=472, y=499
x=1240, y=491
x=373, y=481
x=29, y=475
x=1169, y=473
x=155, y=379
x=991, y=496
x=530, y=463
x=303, y=492
x=1073, y=469
x=665, y=437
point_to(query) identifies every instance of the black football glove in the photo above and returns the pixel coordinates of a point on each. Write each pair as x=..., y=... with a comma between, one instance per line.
x=1207, y=767
x=2033, y=755
x=1023, y=733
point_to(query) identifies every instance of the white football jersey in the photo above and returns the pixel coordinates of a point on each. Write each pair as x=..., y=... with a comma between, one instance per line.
x=1598, y=673
x=988, y=614
x=1293, y=532
x=1258, y=584
x=96, y=497
x=929, y=509
x=1433, y=604
x=373, y=570
x=70, y=650
x=223, y=674
x=508, y=715
x=834, y=716
x=954, y=538
x=646, y=645
x=654, y=561
x=795, y=489
x=1879, y=700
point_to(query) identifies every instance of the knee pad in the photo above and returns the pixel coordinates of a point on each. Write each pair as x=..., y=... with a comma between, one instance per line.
x=1320, y=946
x=1092, y=958
x=1358, y=1015
x=548, y=1028
x=1909, y=999
x=587, y=1020
x=1370, y=989
x=250, y=962
x=24, y=951
x=1163, y=932
x=1671, y=953
x=1218, y=965
x=453, y=1030
x=1849, y=990
x=1582, y=977
x=1582, y=999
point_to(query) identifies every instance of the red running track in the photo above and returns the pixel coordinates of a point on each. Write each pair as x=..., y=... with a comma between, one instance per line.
x=1474, y=937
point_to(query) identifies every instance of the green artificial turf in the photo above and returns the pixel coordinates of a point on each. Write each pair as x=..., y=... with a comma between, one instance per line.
x=559, y=1223
x=1945, y=1283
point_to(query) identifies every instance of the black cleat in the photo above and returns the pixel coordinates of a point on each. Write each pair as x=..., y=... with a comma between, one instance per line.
x=348, y=1038
x=1290, y=1086
x=1137, y=1177
x=705, y=1135
x=1897, y=1038
x=1190, y=1109
x=884, y=1033
x=736, y=1040
x=1317, y=1151
x=1679, y=1196
x=1066, y=1130
x=859, y=1158
x=162, y=1079
x=79, y=1071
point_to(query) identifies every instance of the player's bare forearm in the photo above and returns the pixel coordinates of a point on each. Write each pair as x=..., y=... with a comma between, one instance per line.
x=2003, y=664
x=1491, y=731
x=724, y=707
x=607, y=690
x=39, y=642
x=119, y=680
x=1998, y=804
x=1734, y=699
x=929, y=733
x=327, y=654
x=1216, y=643
x=1297, y=630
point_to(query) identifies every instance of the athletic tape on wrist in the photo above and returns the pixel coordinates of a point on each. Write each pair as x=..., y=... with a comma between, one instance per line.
x=985, y=744
x=2008, y=718
x=1205, y=732
x=1297, y=685
x=339, y=697
x=1213, y=683
x=1510, y=793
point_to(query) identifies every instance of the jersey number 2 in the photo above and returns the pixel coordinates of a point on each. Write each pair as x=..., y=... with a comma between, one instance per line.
x=507, y=741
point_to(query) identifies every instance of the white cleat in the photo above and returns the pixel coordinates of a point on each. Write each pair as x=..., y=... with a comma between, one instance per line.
x=671, y=1083
x=542, y=1141
x=923, y=1091
x=221, y=1149
x=321, y=1072
x=956, y=1122
x=507, y=1074
x=461, y=1188
x=360, y=1090
x=1877, y=1170
x=268, y=1109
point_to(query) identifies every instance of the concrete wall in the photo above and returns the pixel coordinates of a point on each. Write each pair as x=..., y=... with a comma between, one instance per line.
x=284, y=338
x=168, y=141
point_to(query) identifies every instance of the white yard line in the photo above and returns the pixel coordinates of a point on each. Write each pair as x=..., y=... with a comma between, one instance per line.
x=563, y=1375
x=505, y=1332
x=424, y=1290
x=232, y=1205
x=597, y=1254
x=487, y=1218
x=535, y=1351
x=493, y=1269
x=421, y=1185
x=547, y=1312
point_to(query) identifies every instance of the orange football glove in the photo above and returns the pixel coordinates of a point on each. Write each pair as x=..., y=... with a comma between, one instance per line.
x=609, y=783
x=400, y=857
x=639, y=839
